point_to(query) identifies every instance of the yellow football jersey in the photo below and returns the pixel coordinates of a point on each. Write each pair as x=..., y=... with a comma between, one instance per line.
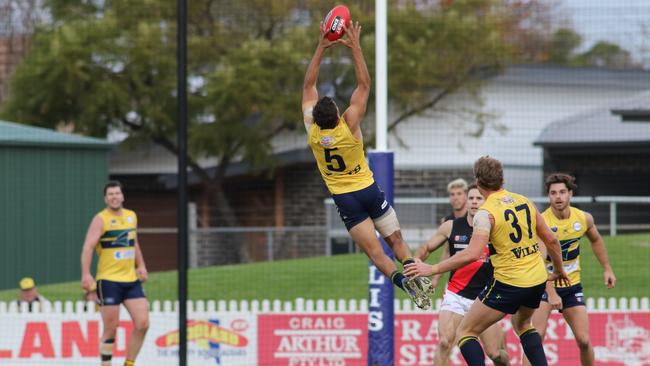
x=340, y=158
x=568, y=232
x=513, y=238
x=116, y=247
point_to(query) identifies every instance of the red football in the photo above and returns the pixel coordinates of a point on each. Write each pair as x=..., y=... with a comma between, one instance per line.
x=334, y=20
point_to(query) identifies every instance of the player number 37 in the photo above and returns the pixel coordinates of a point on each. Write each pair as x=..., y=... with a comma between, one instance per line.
x=510, y=215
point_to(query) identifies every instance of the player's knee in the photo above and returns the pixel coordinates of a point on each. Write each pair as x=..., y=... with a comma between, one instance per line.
x=445, y=344
x=388, y=226
x=520, y=326
x=462, y=330
x=583, y=343
x=141, y=325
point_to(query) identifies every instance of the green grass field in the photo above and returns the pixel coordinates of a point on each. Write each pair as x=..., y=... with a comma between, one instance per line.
x=346, y=277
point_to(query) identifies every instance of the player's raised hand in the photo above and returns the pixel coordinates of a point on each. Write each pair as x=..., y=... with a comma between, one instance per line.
x=352, y=38
x=324, y=42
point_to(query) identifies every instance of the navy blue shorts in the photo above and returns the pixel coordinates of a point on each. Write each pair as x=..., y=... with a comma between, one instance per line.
x=571, y=296
x=114, y=293
x=507, y=299
x=354, y=207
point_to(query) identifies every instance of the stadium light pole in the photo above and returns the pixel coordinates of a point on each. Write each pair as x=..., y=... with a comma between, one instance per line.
x=182, y=179
x=381, y=334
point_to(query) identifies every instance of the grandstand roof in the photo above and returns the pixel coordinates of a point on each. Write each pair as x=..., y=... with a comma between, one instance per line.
x=622, y=124
x=22, y=135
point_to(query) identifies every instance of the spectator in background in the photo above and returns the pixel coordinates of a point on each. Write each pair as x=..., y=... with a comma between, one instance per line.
x=457, y=190
x=28, y=293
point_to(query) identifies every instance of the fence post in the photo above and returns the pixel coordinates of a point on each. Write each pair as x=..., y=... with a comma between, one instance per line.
x=192, y=224
x=269, y=245
x=612, y=218
x=328, y=226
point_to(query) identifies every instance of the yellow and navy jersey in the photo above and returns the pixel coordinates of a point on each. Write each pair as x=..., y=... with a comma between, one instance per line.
x=513, y=240
x=569, y=232
x=116, y=247
x=340, y=158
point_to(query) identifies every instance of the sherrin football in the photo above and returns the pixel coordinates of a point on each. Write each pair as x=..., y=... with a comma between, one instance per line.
x=334, y=20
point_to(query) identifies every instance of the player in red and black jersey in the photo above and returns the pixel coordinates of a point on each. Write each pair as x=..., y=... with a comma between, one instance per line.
x=464, y=285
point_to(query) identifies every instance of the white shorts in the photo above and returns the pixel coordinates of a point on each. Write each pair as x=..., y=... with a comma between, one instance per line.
x=455, y=303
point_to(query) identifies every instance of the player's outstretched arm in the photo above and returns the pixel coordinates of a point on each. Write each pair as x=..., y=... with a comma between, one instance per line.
x=436, y=241
x=435, y=279
x=476, y=247
x=93, y=235
x=553, y=249
x=598, y=247
x=359, y=100
x=309, y=91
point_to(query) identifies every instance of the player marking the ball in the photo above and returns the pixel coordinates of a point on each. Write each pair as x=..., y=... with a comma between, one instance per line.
x=337, y=144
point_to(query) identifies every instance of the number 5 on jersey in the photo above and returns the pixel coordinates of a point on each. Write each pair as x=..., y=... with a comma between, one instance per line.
x=333, y=158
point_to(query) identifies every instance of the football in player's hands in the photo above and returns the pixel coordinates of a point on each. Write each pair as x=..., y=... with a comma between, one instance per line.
x=334, y=21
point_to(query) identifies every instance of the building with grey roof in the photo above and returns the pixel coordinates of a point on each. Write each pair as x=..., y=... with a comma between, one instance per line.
x=607, y=149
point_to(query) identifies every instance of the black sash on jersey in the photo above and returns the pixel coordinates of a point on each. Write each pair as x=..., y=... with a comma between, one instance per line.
x=468, y=280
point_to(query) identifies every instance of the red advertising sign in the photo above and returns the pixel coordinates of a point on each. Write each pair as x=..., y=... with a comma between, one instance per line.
x=313, y=339
x=619, y=339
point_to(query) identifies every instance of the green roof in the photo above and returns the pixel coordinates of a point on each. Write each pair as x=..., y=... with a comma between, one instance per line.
x=13, y=134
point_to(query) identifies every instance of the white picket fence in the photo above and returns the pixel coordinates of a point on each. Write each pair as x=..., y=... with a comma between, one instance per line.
x=298, y=305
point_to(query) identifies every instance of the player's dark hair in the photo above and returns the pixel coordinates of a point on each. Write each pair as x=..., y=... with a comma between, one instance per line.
x=111, y=184
x=472, y=186
x=325, y=113
x=488, y=172
x=568, y=180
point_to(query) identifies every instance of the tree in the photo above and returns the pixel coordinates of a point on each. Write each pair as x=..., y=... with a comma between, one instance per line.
x=101, y=66
x=605, y=54
x=18, y=19
x=563, y=44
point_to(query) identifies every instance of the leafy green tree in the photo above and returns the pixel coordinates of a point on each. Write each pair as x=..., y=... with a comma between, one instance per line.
x=563, y=45
x=605, y=54
x=563, y=51
x=101, y=66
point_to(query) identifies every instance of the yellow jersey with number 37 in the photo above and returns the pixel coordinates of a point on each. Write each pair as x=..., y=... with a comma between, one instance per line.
x=340, y=158
x=513, y=239
x=568, y=232
x=116, y=247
